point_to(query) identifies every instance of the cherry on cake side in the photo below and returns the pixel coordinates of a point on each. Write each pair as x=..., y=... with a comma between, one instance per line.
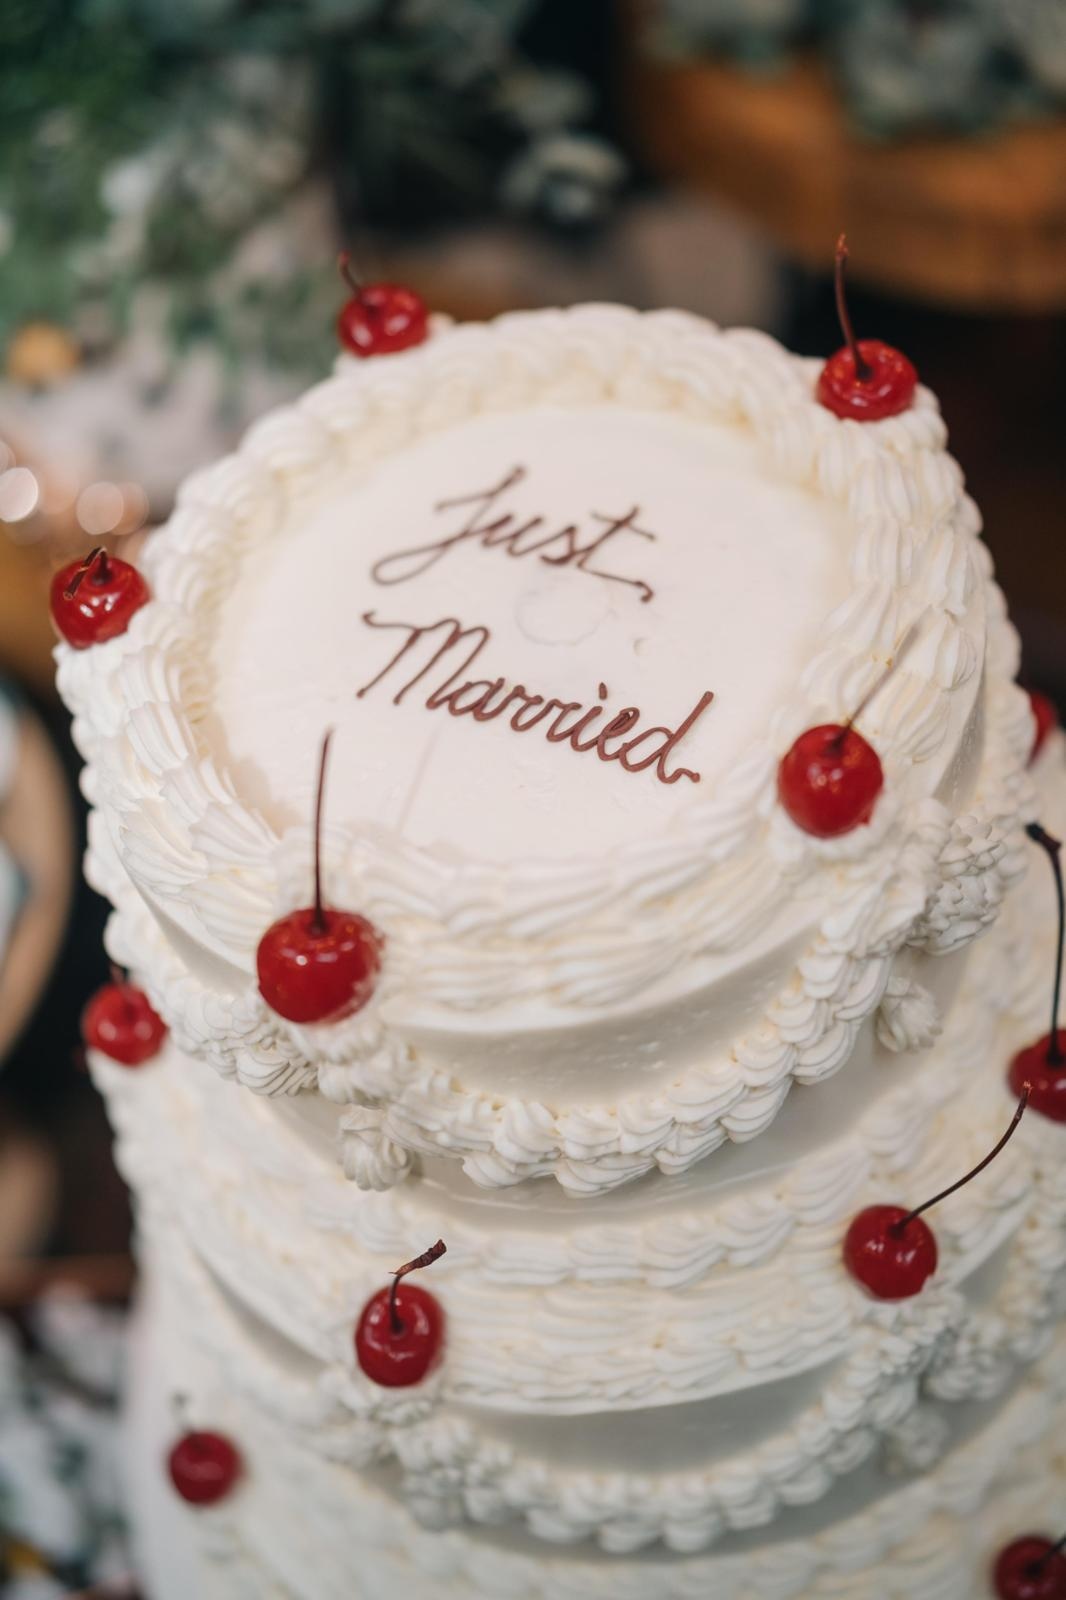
x=399, y=1337
x=1045, y=718
x=318, y=964
x=93, y=600
x=380, y=318
x=891, y=1251
x=120, y=1022
x=829, y=779
x=866, y=379
x=204, y=1467
x=1043, y=1065
x=1031, y=1568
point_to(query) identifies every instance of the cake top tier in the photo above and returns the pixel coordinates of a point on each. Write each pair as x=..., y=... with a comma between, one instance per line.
x=567, y=586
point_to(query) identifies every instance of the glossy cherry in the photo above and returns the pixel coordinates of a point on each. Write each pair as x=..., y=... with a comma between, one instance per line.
x=866, y=379
x=380, y=318
x=318, y=964
x=890, y=1250
x=1045, y=717
x=93, y=600
x=399, y=1337
x=204, y=1467
x=829, y=780
x=1043, y=1065
x=1030, y=1568
x=120, y=1022
x=890, y=1253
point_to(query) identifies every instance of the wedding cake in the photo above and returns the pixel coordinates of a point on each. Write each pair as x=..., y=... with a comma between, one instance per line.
x=639, y=1019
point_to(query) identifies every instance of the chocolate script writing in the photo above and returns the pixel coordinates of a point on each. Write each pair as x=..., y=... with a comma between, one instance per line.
x=491, y=525
x=444, y=652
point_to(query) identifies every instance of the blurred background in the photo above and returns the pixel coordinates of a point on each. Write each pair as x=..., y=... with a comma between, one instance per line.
x=176, y=179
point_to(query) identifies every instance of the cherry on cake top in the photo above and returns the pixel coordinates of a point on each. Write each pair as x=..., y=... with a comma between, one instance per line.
x=1043, y=1065
x=93, y=600
x=120, y=1022
x=380, y=318
x=866, y=380
x=318, y=964
x=891, y=1251
x=399, y=1337
x=204, y=1467
x=1030, y=1568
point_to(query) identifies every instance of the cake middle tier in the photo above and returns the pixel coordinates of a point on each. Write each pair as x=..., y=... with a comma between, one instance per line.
x=674, y=1360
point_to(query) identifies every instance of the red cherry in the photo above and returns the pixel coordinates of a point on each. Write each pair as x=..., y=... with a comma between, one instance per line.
x=318, y=965
x=204, y=1467
x=890, y=1252
x=829, y=780
x=884, y=389
x=396, y=1359
x=93, y=600
x=399, y=1337
x=119, y=1021
x=1030, y=1568
x=865, y=380
x=1046, y=1077
x=1045, y=716
x=380, y=318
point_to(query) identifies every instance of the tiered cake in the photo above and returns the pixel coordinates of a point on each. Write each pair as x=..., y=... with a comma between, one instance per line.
x=566, y=587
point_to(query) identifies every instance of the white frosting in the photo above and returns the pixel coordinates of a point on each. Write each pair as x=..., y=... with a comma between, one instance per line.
x=931, y=1538
x=743, y=1295
x=719, y=1035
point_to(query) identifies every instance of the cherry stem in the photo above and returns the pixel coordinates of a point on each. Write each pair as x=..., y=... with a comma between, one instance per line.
x=318, y=920
x=1035, y=1568
x=426, y=1259
x=78, y=578
x=121, y=981
x=347, y=272
x=878, y=684
x=863, y=369
x=1056, y=1057
x=900, y=1227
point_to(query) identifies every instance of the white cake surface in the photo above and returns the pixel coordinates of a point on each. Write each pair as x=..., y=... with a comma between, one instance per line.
x=561, y=630
x=640, y=1047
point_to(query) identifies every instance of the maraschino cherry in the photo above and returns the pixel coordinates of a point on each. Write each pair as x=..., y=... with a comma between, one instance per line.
x=828, y=781
x=120, y=1022
x=1031, y=1568
x=400, y=1333
x=890, y=1250
x=93, y=600
x=380, y=318
x=318, y=964
x=204, y=1467
x=1043, y=1064
x=1045, y=717
x=866, y=379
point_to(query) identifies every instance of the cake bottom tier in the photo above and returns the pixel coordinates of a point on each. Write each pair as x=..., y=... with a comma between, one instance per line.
x=297, y=1528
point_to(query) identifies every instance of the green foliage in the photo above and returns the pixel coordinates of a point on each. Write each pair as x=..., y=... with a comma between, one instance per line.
x=143, y=142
